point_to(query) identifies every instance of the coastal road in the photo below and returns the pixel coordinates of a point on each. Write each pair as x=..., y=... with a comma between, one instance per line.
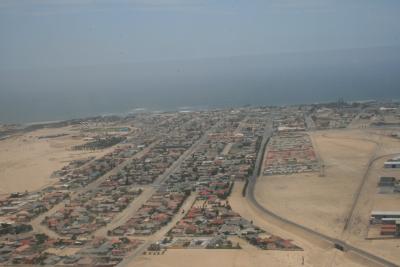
x=295, y=227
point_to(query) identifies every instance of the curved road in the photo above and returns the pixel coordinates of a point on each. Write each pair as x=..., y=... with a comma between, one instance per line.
x=336, y=242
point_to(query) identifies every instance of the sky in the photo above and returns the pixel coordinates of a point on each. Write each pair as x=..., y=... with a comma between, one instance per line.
x=54, y=33
x=49, y=44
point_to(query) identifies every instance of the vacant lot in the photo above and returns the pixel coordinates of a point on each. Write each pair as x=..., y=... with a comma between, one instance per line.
x=370, y=200
x=220, y=258
x=324, y=203
x=27, y=161
x=321, y=203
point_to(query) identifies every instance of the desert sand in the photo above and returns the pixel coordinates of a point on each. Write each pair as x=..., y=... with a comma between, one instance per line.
x=27, y=161
x=221, y=258
x=324, y=203
x=370, y=200
x=321, y=203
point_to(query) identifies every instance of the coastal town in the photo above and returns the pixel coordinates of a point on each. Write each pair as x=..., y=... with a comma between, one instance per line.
x=199, y=133
x=153, y=183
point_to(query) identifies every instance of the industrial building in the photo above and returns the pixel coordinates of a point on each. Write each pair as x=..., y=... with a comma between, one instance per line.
x=379, y=215
x=393, y=163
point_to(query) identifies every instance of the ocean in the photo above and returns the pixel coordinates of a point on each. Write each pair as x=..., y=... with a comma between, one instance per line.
x=45, y=94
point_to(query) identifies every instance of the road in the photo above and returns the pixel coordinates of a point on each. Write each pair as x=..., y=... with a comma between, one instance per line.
x=185, y=207
x=309, y=122
x=260, y=155
x=356, y=197
x=184, y=156
x=161, y=233
x=290, y=225
x=149, y=190
x=127, y=213
x=36, y=222
x=319, y=158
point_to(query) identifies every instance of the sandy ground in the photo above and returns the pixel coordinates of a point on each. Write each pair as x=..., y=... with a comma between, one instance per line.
x=26, y=162
x=370, y=200
x=321, y=203
x=246, y=257
x=220, y=258
x=64, y=251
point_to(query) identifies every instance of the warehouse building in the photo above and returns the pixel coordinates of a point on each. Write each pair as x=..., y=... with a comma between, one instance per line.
x=393, y=163
x=381, y=216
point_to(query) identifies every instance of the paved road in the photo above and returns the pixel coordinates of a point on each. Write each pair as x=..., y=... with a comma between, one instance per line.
x=260, y=155
x=298, y=227
x=309, y=122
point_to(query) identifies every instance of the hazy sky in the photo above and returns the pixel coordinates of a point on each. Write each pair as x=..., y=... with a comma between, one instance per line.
x=70, y=58
x=52, y=33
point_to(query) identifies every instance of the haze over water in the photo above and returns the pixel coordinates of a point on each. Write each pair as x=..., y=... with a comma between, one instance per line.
x=69, y=59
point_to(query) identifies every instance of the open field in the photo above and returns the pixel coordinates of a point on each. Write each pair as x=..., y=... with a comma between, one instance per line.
x=324, y=203
x=246, y=257
x=370, y=200
x=321, y=203
x=27, y=161
x=220, y=258
x=316, y=252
